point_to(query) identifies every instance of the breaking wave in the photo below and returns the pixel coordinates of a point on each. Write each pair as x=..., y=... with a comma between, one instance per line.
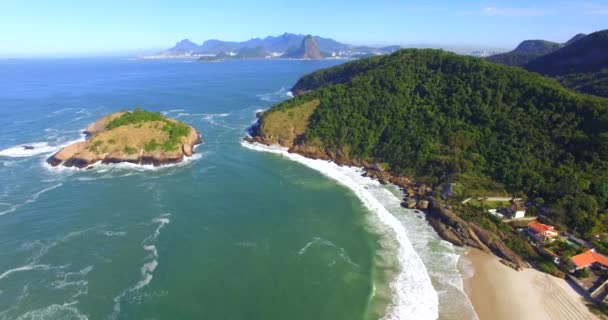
x=276, y=96
x=27, y=150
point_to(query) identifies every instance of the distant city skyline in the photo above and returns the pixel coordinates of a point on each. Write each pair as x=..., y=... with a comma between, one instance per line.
x=69, y=27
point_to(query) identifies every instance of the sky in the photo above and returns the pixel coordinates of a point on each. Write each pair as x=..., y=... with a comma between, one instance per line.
x=81, y=27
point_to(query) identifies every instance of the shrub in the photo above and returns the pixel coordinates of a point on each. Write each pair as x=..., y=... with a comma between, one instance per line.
x=129, y=150
x=582, y=273
x=151, y=145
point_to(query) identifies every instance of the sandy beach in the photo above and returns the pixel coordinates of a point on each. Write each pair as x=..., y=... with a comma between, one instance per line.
x=499, y=292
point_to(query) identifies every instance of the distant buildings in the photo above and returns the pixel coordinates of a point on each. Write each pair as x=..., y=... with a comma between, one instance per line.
x=542, y=232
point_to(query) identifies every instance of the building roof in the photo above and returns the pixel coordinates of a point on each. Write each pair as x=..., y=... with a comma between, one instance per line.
x=589, y=257
x=541, y=227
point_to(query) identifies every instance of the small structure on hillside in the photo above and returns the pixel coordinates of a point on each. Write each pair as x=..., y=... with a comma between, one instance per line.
x=589, y=258
x=542, y=232
x=514, y=211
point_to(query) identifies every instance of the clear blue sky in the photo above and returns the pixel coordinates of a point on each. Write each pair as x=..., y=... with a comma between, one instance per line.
x=57, y=27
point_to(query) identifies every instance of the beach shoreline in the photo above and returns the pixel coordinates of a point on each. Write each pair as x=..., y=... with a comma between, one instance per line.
x=498, y=292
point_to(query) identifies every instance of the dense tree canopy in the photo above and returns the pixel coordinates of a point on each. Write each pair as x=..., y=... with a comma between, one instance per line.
x=441, y=117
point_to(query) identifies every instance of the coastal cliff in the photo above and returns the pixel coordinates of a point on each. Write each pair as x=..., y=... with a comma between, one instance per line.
x=138, y=137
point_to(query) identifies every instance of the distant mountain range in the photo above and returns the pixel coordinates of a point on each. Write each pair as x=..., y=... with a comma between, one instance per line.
x=580, y=64
x=285, y=45
x=529, y=50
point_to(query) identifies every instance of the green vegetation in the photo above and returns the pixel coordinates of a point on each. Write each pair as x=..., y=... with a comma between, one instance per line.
x=129, y=150
x=135, y=117
x=513, y=58
x=595, y=83
x=525, y=52
x=441, y=117
x=95, y=146
x=286, y=124
x=582, y=273
x=486, y=205
x=585, y=55
x=174, y=129
x=151, y=145
x=582, y=65
x=564, y=249
x=550, y=268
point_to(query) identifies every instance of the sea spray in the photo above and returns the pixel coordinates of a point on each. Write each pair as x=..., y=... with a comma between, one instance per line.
x=413, y=295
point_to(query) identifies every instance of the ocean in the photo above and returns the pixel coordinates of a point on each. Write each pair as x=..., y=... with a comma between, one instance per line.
x=239, y=231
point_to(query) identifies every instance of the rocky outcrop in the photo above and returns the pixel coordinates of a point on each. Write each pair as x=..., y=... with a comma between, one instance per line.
x=451, y=227
x=129, y=143
x=498, y=247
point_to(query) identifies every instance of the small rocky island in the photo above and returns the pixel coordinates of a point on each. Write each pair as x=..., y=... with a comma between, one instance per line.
x=139, y=137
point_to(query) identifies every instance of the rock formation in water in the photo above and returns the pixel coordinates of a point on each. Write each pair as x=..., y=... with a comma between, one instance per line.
x=138, y=137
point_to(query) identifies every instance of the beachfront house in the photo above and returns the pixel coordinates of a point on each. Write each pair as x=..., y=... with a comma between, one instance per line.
x=542, y=232
x=589, y=258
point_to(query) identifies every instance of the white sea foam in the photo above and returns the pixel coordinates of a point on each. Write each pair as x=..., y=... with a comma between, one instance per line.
x=21, y=151
x=413, y=295
x=440, y=257
x=66, y=280
x=146, y=271
x=320, y=241
x=213, y=118
x=61, y=110
x=114, y=233
x=54, y=311
x=276, y=96
x=32, y=199
x=38, y=148
x=150, y=264
x=148, y=268
x=24, y=268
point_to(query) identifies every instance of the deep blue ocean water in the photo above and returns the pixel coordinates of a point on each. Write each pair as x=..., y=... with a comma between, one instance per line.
x=232, y=233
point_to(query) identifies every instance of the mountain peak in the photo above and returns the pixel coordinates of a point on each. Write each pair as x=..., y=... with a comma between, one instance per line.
x=308, y=50
x=575, y=38
x=184, y=46
x=587, y=54
x=537, y=47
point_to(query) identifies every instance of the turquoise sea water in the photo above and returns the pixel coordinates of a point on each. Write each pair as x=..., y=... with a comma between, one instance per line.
x=233, y=233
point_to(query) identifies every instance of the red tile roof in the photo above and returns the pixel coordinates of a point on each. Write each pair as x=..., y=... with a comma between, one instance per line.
x=589, y=257
x=541, y=227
